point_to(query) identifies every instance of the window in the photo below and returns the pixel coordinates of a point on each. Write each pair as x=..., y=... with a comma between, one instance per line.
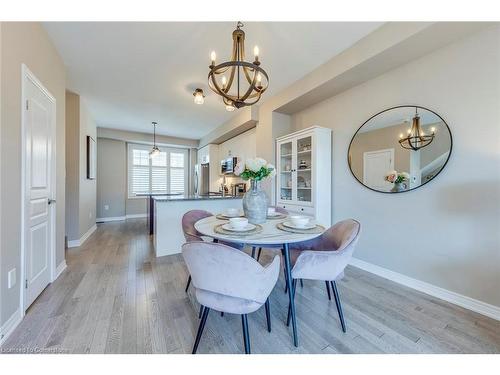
x=164, y=173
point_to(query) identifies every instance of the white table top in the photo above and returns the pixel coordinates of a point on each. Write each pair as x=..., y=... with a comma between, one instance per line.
x=270, y=235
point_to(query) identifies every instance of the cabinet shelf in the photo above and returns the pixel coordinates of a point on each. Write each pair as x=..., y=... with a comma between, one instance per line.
x=305, y=190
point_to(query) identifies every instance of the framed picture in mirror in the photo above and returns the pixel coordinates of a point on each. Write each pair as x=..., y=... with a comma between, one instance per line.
x=400, y=149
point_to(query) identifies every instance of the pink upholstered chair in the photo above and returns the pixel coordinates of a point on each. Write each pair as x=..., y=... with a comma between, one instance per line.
x=326, y=257
x=228, y=280
x=192, y=235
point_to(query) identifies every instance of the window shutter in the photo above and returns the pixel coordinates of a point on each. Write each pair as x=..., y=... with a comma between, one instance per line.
x=164, y=173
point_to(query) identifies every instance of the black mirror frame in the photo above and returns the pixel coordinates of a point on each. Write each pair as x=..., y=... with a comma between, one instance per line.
x=389, y=109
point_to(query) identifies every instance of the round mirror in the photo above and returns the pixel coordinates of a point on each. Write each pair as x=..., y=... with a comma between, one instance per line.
x=400, y=149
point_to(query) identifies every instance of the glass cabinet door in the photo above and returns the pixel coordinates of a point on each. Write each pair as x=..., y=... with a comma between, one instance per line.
x=285, y=173
x=304, y=169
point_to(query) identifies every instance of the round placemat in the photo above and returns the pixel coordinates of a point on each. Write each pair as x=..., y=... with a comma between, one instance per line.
x=224, y=217
x=218, y=229
x=277, y=217
x=315, y=230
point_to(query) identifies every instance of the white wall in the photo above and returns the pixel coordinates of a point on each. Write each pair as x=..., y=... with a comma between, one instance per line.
x=446, y=233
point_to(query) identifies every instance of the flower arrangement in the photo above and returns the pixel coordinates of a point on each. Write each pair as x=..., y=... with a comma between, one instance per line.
x=254, y=169
x=396, y=177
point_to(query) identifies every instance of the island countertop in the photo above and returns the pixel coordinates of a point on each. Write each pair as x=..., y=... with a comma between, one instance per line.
x=168, y=235
x=192, y=197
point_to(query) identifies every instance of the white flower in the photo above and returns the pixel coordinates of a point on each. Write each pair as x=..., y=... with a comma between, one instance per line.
x=260, y=162
x=405, y=175
x=272, y=170
x=240, y=167
x=253, y=165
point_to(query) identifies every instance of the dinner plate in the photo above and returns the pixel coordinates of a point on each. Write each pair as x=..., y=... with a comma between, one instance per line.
x=289, y=224
x=275, y=213
x=228, y=227
x=239, y=214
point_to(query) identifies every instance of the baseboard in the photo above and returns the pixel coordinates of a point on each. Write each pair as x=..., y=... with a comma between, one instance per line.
x=60, y=269
x=120, y=218
x=10, y=325
x=136, y=216
x=113, y=218
x=76, y=243
x=432, y=290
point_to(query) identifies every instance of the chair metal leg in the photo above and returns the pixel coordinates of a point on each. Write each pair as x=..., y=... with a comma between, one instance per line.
x=328, y=290
x=268, y=315
x=200, y=329
x=339, y=306
x=201, y=312
x=246, y=337
x=258, y=254
x=253, y=251
x=188, y=283
x=286, y=280
x=222, y=313
x=301, y=283
x=293, y=297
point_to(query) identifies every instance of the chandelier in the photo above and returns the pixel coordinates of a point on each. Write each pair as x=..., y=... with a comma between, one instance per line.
x=239, y=82
x=155, y=150
x=416, y=138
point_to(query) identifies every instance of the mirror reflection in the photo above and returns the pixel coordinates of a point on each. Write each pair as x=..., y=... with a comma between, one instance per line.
x=400, y=149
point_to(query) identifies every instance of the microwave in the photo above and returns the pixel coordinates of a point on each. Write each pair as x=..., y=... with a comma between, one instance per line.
x=227, y=165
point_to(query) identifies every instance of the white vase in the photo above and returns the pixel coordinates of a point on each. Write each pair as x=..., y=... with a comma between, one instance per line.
x=255, y=204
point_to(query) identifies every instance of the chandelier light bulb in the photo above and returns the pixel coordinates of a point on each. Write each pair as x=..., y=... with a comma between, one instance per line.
x=408, y=131
x=230, y=107
x=224, y=82
x=259, y=79
x=401, y=136
x=433, y=130
x=256, y=52
x=212, y=57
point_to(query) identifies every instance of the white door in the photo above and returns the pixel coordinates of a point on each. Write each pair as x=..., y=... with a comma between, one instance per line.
x=39, y=112
x=376, y=164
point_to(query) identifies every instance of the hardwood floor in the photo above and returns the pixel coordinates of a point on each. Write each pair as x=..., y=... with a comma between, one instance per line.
x=116, y=297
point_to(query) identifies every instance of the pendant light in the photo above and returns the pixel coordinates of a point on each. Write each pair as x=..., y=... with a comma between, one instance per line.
x=416, y=138
x=239, y=82
x=155, y=150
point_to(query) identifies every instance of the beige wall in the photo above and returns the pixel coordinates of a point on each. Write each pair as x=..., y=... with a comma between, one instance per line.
x=242, y=146
x=457, y=214
x=81, y=192
x=25, y=43
x=72, y=165
x=111, y=178
x=112, y=146
x=380, y=139
x=87, y=187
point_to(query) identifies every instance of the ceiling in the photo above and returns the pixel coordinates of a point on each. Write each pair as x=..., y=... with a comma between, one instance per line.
x=132, y=73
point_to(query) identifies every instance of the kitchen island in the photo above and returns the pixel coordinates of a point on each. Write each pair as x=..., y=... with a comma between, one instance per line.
x=168, y=236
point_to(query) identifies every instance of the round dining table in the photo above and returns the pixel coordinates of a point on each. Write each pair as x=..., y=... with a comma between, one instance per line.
x=270, y=236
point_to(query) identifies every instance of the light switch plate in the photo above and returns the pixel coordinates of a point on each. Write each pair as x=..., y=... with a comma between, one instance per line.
x=106, y=207
x=11, y=276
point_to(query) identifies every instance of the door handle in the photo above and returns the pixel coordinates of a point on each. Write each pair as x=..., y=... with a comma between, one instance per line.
x=50, y=201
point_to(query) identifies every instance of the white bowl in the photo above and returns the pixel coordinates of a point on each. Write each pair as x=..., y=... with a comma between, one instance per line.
x=299, y=221
x=232, y=212
x=271, y=210
x=238, y=223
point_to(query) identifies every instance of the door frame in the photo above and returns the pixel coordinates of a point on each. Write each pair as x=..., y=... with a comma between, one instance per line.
x=366, y=153
x=28, y=76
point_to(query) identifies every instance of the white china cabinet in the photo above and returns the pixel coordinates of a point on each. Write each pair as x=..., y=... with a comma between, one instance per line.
x=304, y=173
